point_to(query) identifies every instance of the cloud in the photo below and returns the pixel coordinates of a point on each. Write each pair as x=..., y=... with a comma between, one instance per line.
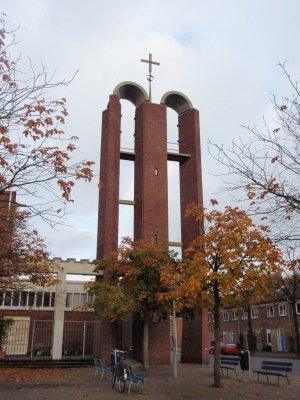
x=222, y=55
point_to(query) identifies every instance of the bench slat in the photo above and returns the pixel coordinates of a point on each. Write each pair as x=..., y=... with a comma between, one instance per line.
x=229, y=363
x=277, y=364
x=275, y=368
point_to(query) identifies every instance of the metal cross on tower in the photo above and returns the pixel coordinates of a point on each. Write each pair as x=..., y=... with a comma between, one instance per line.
x=150, y=77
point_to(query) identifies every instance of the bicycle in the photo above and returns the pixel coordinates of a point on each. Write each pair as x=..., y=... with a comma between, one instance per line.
x=119, y=369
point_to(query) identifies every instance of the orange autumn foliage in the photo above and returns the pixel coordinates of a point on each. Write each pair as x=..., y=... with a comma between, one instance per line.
x=231, y=255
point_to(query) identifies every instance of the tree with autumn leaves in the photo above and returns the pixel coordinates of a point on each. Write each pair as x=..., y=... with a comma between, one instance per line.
x=132, y=284
x=37, y=167
x=264, y=168
x=23, y=253
x=231, y=255
x=36, y=156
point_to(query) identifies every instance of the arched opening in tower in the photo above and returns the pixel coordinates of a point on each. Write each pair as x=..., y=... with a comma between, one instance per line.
x=125, y=221
x=126, y=189
x=127, y=125
x=174, y=220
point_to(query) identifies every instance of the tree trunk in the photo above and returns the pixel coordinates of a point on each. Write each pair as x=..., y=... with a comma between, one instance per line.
x=251, y=337
x=249, y=319
x=146, y=344
x=217, y=372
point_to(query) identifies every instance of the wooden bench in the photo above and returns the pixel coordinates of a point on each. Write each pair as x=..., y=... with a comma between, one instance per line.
x=229, y=363
x=276, y=368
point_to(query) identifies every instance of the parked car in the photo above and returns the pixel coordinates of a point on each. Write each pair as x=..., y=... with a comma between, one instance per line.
x=226, y=348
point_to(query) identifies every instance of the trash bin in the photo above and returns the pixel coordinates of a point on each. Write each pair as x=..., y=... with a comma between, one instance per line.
x=244, y=360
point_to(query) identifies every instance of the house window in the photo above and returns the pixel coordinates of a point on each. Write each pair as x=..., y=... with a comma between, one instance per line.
x=298, y=308
x=270, y=311
x=234, y=315
x=226, y=316
x=245, y=315
x=233, y=337
x=282, y=310
x=254, y=313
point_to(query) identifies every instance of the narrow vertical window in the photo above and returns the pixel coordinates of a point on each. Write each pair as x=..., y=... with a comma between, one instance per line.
x=52, y=299
x=31, y=296
x=15, y=299
x=8, y=298
x=154, y=239
x=46, y=299
x=39, y=299
x=23, y=299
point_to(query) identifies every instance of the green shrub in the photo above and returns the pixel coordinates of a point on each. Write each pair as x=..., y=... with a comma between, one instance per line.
x=5, y=324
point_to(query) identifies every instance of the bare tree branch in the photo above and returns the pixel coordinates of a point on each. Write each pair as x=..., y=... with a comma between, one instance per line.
x=266, y=166
x=36, y=156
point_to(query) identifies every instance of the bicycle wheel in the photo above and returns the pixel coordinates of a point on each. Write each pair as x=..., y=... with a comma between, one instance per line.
x=121, y=383
x=114, y=378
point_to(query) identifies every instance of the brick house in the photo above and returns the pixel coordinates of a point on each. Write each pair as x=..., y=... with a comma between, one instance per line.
x=272, y=323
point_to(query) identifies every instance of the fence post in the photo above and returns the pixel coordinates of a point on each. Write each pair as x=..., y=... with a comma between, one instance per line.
x=32, y=338
x=59, y=315
x=84, y=334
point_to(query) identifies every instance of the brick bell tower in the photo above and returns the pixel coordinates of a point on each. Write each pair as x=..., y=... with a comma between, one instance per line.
x=150, y=158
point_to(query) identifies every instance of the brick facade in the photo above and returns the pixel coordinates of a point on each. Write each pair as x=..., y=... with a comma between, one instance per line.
x=272, y=323
x=151, y=178
x=109, y=179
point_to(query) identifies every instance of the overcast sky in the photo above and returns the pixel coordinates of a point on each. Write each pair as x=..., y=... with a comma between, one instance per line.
x=222, y=55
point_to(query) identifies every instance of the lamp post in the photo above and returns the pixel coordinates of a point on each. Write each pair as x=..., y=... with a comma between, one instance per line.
x=174, y=341
x=174, y=331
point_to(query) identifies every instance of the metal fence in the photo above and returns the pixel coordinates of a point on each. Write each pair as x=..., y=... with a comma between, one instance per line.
x=80, y=338
x=33, y=339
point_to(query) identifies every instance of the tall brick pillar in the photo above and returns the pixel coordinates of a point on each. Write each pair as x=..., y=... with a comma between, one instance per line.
x=195, y=333
x=151, y=209
x=151, y=176
x=108, y=213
